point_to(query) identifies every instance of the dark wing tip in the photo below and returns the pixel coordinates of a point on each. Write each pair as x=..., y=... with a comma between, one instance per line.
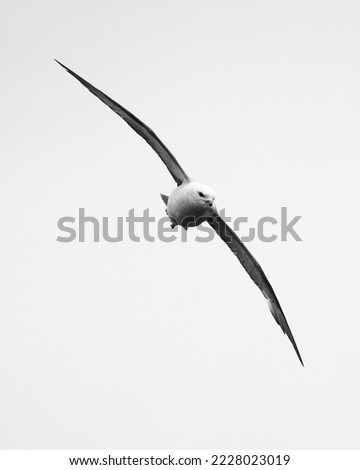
x=288, y=333
x=62, y=65
x=296, y=350
x=280, y=319
x=70, y=71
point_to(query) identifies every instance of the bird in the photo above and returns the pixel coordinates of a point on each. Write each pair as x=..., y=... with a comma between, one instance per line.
x=192, y=203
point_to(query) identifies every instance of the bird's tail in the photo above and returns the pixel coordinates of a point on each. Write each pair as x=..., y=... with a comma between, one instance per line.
x=164, y=198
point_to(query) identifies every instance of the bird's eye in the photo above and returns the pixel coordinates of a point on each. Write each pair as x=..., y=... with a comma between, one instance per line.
x=201, y=194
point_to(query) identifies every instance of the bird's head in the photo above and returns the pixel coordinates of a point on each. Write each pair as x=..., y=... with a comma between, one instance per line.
x=202, y=198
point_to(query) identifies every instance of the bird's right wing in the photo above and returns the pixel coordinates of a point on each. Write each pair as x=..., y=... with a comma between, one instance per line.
x=139, y=127
x=254, y=270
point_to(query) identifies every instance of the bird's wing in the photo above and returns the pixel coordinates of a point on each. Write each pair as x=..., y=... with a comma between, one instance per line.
x=139, y=127
x=254, y=270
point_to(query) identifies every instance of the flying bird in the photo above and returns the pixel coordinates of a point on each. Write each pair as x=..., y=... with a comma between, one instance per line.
x=192, y=203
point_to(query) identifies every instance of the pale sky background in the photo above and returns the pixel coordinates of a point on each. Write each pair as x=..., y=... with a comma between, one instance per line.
x=160, y=346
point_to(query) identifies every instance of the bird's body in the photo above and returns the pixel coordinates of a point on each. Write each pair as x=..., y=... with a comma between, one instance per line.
x=192, y=203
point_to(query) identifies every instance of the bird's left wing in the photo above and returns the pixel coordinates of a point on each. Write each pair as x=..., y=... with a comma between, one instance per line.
x=254, y=270
x=139, y=127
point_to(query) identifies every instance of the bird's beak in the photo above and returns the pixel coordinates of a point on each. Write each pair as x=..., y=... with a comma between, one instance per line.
x=212, y=205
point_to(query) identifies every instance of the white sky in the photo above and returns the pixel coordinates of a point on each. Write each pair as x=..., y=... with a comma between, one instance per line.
x=154, y=345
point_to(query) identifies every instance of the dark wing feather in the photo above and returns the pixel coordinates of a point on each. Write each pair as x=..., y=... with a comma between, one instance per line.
x=256, y=273
x=139, y=127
